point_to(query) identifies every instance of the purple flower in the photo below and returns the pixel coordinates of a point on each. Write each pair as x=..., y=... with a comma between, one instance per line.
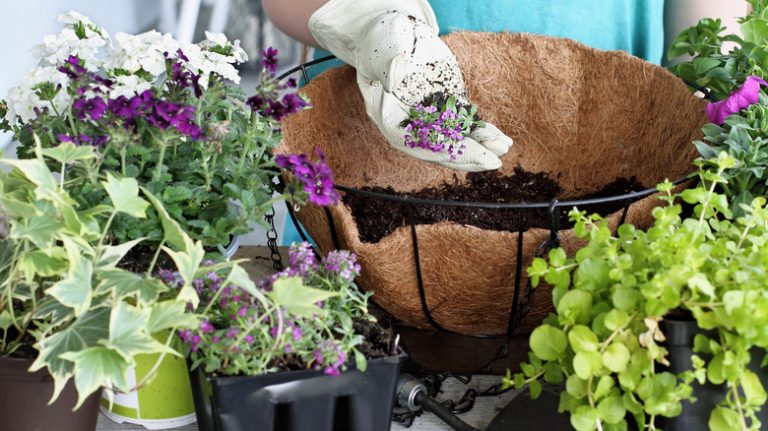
x=249, y=338
x=343, y=263
x=296, y=333
x=206, y=327
x=435, y=132
x=232, y=333
x=242, y=311
x=293, y=103
x=269, y=59
x=93, y=108
x=94, y=141
x=301, y=259
x=742, y=98
x=317, y=178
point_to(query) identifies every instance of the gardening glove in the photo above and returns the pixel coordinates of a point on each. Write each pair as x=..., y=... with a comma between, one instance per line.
x=400, y=60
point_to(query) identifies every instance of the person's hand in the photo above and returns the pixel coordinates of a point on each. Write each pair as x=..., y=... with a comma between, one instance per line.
x=400, y=60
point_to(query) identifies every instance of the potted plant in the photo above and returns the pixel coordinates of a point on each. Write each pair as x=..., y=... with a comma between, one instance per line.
x=163, y=112
x=69, y=311
x=606, y=339
x=308, y=326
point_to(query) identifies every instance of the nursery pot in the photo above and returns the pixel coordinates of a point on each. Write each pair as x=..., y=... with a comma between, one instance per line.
x=163, y=403
x=583, y=116
x=306, y=400
x=695, y=416
x=24, y=400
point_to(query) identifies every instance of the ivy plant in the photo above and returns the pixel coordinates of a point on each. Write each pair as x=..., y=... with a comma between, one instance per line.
x=64, y=300
x=604, y=341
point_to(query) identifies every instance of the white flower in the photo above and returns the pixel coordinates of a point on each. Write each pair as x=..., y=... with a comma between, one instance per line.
x=128, y=86
x=220, y=39
x=141, y=51
x=22, y=100
x=204, y=63
x=56, y=48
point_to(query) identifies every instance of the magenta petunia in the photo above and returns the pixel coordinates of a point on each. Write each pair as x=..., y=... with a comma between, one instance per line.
x=742, y=98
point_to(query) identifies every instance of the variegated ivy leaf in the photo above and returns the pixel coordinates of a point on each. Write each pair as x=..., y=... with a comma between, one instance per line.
x=43, y=263
x=68, y=152
x=298, y=299
x=96, y=367
x=75, y=290
x=83, y=333
x=187, y=264
x=123, y=284
x=173, y=234
x=170, y=314
x=112, y=254
x=128, y=334
x=124, y=193
x=38, y=173
x=40, y=230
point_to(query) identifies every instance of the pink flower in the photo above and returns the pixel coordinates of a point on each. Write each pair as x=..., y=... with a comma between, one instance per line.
x=740, y=99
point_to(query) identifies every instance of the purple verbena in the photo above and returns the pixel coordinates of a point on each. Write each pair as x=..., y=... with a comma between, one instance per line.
x=316, y=177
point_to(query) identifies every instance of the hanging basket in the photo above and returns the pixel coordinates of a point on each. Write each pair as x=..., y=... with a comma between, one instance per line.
x=584, y=116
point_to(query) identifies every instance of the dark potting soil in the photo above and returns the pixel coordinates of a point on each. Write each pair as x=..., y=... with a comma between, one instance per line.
x=377, y=218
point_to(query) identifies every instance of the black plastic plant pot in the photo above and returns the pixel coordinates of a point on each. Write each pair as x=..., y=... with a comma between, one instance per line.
x=680, y=334
x=24, y=401
x=306, y=400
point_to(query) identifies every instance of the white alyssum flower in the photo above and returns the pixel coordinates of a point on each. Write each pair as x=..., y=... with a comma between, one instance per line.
x=56, y=48
x=22, y=99
x=128, y=86
x=141, y=52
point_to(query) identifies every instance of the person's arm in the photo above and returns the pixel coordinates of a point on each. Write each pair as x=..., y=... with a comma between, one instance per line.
x=681, y=14
x=292, y=17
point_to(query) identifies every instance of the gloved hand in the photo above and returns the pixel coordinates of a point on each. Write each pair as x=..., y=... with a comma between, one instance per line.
x=400, y=60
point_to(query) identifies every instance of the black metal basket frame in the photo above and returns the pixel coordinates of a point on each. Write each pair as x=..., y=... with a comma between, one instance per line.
x=519, y=308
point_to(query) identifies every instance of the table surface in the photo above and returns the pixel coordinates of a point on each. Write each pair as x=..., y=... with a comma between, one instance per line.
x=259, y=266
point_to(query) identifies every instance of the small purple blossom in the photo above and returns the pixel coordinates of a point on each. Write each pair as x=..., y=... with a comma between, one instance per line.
x=742, y=98
x=232, y=333
x=343, y=263
x=92, y=108
x=206, y=327
x=301, y=259
x=437, y=132
x=317, y=178
x=269, y=59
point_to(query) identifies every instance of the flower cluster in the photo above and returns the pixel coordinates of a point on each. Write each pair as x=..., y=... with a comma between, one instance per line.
x=162, y=111
x=315, y=177
x=439, y=124
x=254, y=333
x=267, y=100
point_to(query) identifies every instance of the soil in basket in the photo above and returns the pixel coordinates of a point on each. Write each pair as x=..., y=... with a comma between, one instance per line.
x=378, y=218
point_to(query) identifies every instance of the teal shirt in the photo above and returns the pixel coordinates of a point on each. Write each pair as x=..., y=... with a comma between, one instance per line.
x=635, y=26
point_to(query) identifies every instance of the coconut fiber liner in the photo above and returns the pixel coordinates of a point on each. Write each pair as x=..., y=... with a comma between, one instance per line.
x=582, y=115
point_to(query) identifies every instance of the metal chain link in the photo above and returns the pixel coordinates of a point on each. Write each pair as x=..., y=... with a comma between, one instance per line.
x=277, y=260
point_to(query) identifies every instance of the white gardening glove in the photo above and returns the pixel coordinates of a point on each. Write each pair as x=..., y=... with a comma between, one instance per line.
x=400, y=60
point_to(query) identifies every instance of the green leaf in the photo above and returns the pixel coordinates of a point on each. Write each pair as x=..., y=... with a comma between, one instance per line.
x=169, y=314
x=616, y=357
x=112, y=254
x=187, y=264
x=124, y=284
x=68, y=152
x=753, y=389
x=128, y=333
x=75, y=290
x=587, y=364
x=44, y=264
x=604, y=385
x=616, y=319
x=37, y=172
x=96, y=367
x=575, y=306
x=40, y=230
x=582, y=339
x=360, y=362
x=124, y=193
x=611, y=409
x=722, y=419
x=535, y=389
x=755, y=31
x=172, y=232
x=548, y=342
x=585, y=418
x=84, y=332
x=298, y=299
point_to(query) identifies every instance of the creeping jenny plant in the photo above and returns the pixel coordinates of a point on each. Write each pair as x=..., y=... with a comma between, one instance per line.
x=603, y=341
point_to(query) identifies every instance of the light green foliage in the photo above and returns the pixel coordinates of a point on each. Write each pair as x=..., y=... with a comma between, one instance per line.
x=61, y=289
x=622, y=286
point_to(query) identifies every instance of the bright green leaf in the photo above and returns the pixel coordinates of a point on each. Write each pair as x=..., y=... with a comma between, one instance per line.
x=124, y=193
x=548, y=342
x=298, y=299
